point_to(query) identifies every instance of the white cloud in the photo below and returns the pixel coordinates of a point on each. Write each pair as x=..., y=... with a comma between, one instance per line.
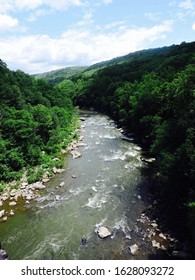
x=107, y=2
x=187, y=5
x=38, y=13
x=13, y=5
x=62, y=4
x=7, y=22
x=193, y=26
x=77, y=46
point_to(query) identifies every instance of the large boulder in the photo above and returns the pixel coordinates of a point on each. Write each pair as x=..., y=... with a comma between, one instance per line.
x=103, y=232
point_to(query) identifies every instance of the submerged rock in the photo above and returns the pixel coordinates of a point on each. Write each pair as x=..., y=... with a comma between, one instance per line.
x=61, y=184
x=103, y=232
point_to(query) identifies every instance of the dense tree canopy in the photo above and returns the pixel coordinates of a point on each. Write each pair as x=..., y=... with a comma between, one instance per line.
x=35, y=121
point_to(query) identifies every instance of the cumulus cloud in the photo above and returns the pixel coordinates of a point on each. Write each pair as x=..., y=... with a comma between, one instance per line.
x=187, y=5
x=77, y=47
x=7, y=22
x=193, y=26
x=11, y=5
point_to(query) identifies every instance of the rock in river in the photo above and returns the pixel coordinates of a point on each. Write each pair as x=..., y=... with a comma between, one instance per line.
x=61, y=184
x=103, y=232
x=2, y=213
x=13, y=203
x=134, y=249
x=75, y=154
x=4, y=218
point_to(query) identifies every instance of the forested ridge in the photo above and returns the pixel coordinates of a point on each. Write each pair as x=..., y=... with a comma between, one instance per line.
x=56, y=76
x=153, y=95
x=36, y=122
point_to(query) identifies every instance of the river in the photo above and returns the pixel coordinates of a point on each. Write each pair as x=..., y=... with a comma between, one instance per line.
x=100, y=188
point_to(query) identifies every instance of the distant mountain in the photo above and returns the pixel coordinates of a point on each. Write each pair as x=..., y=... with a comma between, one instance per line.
x=175, y=56
x=56, y=76
x=146, y=55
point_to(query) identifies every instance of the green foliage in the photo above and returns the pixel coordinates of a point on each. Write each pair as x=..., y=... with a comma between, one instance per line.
x=34, y=174
x=34, y=117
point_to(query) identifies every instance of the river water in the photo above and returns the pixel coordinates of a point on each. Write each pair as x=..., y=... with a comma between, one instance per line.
x=100, y=188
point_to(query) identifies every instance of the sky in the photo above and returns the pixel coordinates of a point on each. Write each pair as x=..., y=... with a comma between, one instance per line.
x=41, y=35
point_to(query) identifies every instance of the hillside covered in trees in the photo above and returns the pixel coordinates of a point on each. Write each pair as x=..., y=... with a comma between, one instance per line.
x=56, y=76
x=36, y=121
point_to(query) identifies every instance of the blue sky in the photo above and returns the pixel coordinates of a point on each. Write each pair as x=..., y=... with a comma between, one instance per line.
x=42, y=35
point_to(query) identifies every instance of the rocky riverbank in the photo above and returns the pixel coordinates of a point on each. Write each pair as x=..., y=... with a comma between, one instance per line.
x=22, y=192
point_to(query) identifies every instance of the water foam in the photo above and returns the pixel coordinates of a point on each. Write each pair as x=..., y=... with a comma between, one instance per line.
x=95, y=201
x=123, y=225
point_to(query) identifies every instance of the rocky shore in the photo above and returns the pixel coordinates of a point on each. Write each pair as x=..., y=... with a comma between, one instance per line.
x=23, y=192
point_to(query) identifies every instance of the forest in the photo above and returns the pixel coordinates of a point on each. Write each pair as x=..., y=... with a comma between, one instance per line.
x=150, y=93
x=36, y=121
